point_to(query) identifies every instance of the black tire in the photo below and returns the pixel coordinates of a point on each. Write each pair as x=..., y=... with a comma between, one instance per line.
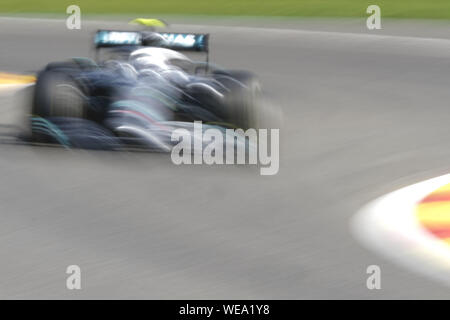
x=58, y=95
x=243, y=99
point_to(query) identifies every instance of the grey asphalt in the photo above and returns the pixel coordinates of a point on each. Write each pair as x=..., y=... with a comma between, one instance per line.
x=365, y=114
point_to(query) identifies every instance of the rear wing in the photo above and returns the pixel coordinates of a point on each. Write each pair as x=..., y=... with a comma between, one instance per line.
x=193, y=42
x=175, y=41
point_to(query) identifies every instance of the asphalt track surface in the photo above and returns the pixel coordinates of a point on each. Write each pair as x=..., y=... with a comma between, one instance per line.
x=364, y=115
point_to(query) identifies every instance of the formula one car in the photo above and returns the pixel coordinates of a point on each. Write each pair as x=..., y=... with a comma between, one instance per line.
x=137, y=90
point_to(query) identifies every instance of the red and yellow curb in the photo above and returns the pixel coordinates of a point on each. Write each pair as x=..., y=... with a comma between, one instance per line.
x=11, y=78
x=433, y=213
x=12, y=81
x=411, y=227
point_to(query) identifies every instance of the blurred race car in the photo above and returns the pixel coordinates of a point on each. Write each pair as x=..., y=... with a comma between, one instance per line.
x=137, y=91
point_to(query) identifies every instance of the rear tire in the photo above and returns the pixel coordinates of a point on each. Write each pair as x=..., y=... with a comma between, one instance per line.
x=243, y=99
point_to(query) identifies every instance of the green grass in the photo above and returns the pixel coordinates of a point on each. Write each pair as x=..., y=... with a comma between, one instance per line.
x=427, y=9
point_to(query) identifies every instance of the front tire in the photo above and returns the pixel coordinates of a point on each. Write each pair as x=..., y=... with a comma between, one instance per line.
x=56, y=95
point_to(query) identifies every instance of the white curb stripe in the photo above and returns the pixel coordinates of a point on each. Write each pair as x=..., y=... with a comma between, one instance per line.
x=389, y=225
x=13, y=87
